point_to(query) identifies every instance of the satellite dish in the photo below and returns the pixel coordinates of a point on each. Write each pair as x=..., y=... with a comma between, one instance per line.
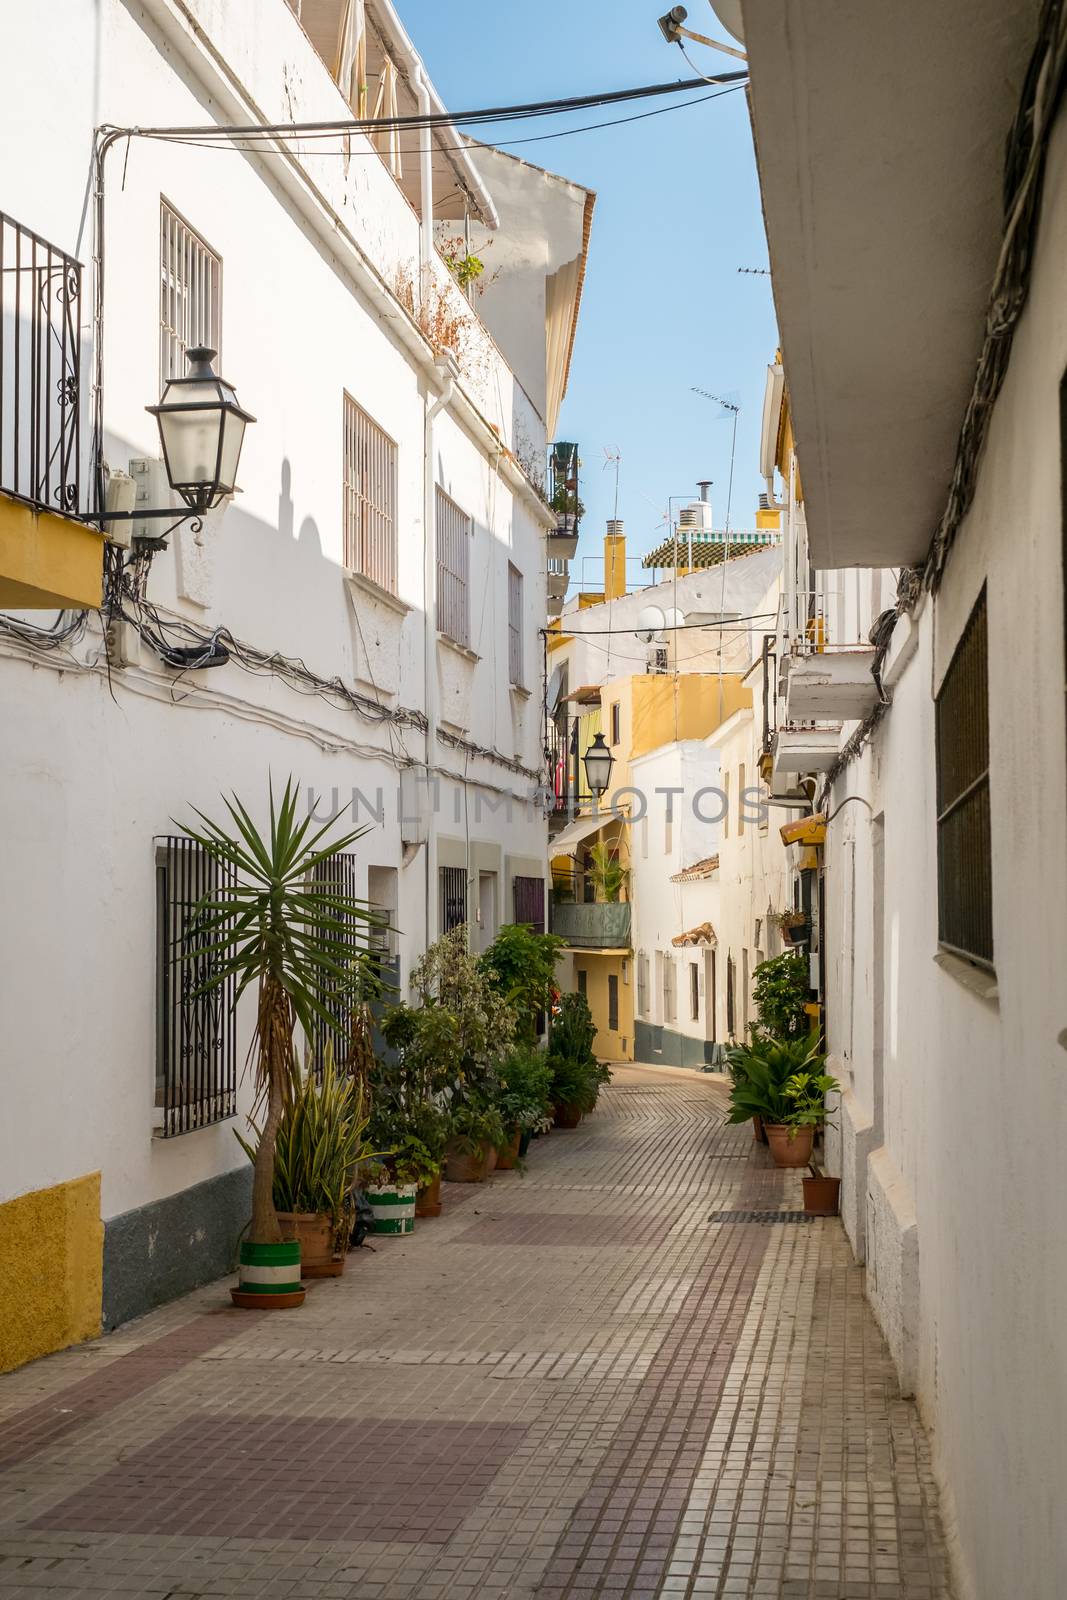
x=555, y=687
x=650, y=621
x=729, y=14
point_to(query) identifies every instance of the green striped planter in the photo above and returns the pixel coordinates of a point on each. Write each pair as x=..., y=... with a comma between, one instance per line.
x=269, y=1277
x=393, y=1205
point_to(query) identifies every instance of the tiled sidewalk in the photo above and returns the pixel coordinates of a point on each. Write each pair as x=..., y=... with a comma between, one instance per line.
x=580, y=1381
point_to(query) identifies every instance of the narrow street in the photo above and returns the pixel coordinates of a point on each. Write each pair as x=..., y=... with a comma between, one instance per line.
x=633, y=1370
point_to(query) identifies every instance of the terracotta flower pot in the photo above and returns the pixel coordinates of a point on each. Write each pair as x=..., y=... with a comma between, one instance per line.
x=822, y=1196
x=428, y=1200
x=491, y=1158
x=465, y=1163
x=508, y=1154
x=567, y=1116
x=758, y=1131
x=318, y=1256
x=790, y=1147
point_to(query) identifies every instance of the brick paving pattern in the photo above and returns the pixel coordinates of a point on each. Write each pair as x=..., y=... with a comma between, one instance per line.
x=627, y=1372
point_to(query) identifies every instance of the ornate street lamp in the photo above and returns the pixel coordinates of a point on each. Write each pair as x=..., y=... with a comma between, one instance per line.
x=201, y=429
x=598, y=764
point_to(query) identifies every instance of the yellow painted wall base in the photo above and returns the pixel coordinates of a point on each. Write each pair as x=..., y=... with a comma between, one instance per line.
x=47, y=561
x=610, y=1044
x=51, y=1269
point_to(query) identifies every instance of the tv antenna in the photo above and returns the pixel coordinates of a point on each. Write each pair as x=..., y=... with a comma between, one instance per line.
x=613, y=458
x=727, y=405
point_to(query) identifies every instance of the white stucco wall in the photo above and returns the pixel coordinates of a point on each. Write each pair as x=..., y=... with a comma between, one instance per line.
x=94, y=773
x=966, y=1251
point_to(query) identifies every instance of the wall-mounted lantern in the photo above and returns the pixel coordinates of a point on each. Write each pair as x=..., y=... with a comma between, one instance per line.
x=598, y=764
x=201, y=429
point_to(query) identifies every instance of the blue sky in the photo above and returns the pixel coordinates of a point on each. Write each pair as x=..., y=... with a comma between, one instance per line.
x=677, y=213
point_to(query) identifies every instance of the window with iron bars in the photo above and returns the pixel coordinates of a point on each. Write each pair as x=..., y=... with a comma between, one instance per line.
x=964, y=858
x=338, y=877
x=528, y=895
x=453, y=570
x=196, y=1029
x=642, y=985
x=515, y=665
x=453, y=898
x=370, y=490
x=190, y=293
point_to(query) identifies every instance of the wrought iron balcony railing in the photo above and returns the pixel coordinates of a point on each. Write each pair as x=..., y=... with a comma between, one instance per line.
x=40, y=373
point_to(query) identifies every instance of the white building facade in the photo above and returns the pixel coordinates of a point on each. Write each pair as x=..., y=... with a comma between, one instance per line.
x=368, y=607
x=944, y=875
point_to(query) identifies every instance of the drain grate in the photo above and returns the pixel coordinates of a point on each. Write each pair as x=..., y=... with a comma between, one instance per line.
x=761, y=1216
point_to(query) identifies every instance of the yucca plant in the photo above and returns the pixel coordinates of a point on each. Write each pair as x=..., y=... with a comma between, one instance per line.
x=321, y=1141
x=274, y=925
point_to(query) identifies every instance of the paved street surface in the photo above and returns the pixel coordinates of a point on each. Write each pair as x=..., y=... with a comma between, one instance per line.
x=611, y=1375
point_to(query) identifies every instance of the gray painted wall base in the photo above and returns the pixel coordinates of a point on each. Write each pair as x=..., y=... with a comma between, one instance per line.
x=162, y=1250
x=667, y=1048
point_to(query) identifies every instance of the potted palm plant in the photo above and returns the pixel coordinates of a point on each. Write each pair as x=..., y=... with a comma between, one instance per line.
x=609, y=876
x=283, y=931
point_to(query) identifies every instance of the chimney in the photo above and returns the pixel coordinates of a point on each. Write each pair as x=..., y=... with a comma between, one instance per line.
x=614, y=561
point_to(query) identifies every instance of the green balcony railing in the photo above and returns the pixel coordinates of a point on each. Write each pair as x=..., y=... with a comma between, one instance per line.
x=593, y=926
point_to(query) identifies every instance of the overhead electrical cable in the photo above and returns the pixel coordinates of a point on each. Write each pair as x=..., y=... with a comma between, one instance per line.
x=433, y=119
x=441, y=149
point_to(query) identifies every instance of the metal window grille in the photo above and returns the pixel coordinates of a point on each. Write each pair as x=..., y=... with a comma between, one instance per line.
x=964, y=865
x=694, y=992
x=370, y=473
x=196, y=1030
x=613, y=1002
x=642, y=985
x=40, y=376
x=583, y=982
x=338, y=876
x=190, y=294
x=528, y=895
x=453, y=898
x=515, y=673
x=668, y=990
x=453, y=569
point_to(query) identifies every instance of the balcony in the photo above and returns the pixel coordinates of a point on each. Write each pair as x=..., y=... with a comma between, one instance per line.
x=830, y=685
x=49, y=557
x=594, y=925
x=810, y=749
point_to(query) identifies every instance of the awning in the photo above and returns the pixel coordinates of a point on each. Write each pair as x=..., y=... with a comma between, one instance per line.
x=575, y=833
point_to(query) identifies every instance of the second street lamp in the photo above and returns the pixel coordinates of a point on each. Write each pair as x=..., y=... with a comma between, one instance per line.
x=598, y=761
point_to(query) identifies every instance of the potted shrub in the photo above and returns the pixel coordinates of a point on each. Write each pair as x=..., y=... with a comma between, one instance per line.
x=805, y=1095
x=320, y=1145
x=576, y=1076
x=778, y=1080
x=521, y=966
x=794, y=926
x=450, y=980
x=781, y=989
x=477, y=1132
x=411, y=1094
x=526, y=1079
x=279, y=929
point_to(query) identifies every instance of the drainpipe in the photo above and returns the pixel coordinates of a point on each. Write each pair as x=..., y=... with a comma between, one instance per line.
x=446, y=366
x=422, y=94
